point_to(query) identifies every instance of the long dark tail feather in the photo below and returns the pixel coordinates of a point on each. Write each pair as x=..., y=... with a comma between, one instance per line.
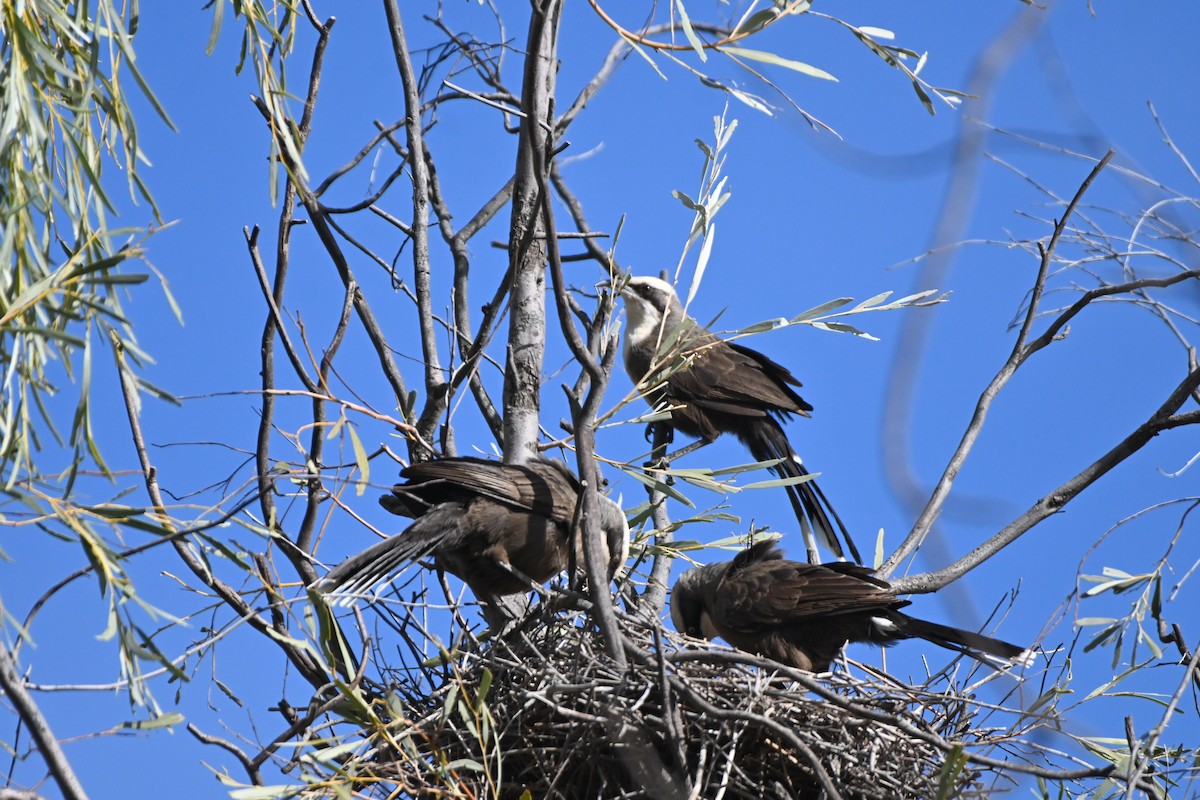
x=385, y=558
x=766, y=442
x=966, y=642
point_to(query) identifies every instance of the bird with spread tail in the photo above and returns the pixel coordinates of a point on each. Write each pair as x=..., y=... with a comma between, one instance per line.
x=496, y=526
x=803, y=614
x=713, y=387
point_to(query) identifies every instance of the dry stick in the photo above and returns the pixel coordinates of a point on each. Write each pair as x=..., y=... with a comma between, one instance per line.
x=383, y=132
x=488, y=72
x=1018, y=356
x=366, y=317
x=229, y=747
x=436, y=390
x=640, y=759
x=1175, y=636
x=314, y=488
x=275, y=323
x=810, y=683
x=1104, y=291
x=575, y=208
x=274, y=292
x=31, y=716
x=727, y=37
x=470, y=351
x=683, y=687
x=404, y=428
x=374, y=197
x=1163, y=419
x=781, y=731
x=303, y=662
x=613, y=59
x=656, y=589
x=584, y=423
x=544, y=25
x=8, y=793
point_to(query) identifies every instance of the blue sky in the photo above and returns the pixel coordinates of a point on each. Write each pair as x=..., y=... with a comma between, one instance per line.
x=812, y=217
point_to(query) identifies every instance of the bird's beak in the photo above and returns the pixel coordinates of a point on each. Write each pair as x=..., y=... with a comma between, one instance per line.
x=616, y=285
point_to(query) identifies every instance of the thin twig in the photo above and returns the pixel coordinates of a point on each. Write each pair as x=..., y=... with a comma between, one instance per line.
x=1018, y=357
x=1165, y=418
x=300, y=658
x=39, y=728
x=229, y=747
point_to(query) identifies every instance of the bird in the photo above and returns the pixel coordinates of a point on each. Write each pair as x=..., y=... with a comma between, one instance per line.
x=802, y=614
x=714, y=387
x=496, y=526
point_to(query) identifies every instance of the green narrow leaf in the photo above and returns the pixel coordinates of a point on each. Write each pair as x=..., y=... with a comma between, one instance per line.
x=822, y=309
x=669, y=491
x=692, y=38
x=702, y=262
x=752, y=22
x=687, y=201
x=163, y=721
x=925, y=99
x=877, y=33
x=360, y=458
x=266, y=792
x=841, y=327
x=779, y=61
x=873, y=301
x=485, y=684
x=638, y=49
x=780, y=482
x=953, y=766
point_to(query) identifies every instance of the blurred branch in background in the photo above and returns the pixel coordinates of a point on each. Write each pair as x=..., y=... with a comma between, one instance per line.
x=578, y=693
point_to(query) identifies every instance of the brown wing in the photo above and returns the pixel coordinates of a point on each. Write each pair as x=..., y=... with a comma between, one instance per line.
x=766, y=591
x=736, y=380
x=543, y=486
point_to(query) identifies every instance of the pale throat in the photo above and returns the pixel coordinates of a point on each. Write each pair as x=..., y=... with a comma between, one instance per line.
x=644, y=325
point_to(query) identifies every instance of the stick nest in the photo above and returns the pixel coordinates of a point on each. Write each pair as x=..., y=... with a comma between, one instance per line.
x=544, y=712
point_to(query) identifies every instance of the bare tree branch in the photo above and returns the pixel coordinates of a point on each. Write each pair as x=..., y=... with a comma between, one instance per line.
x=916, y=328
x=300, y=658
x=1165, y=418
x=527, y=324
x=366, y=316
x=31, y=716
x=471, y=351
x=1018, y=357
x=436, y=389
x=251, y=770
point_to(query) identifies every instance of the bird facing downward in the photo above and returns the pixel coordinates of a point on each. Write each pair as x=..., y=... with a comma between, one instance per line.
x=721, y=387
x=802, y=614
x=489, y=523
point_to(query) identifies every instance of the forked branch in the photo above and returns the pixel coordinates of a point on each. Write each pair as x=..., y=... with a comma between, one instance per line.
x=1020, y=353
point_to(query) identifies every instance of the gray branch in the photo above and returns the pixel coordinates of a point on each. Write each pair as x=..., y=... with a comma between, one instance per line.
x=527, y=254
x=1163, y=419
x=435, y=385
x=1020, y=353
x=29, y=714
